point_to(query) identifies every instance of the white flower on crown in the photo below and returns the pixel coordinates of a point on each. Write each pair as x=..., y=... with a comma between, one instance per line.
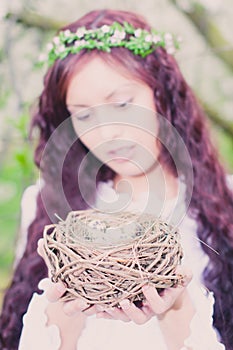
x=148, y=38
x=56, y=40
x=60, y=49
x=105, y=28
x=118, y=34
x=80, y=32
x=156, y=39
x=80, y=43
x=138, y=33
x=77, y=43
x=114, y=40
x=67, y=33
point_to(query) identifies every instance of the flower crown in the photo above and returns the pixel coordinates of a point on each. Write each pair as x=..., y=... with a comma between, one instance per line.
x=139, y=41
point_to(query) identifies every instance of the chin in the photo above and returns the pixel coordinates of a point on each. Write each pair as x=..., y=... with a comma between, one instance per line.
x=130, y=169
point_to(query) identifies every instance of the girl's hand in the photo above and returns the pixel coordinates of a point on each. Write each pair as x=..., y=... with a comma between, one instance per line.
x=154, y=304
x=54, y=291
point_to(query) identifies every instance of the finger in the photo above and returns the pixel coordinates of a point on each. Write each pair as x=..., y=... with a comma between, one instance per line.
x=73, y=307
x=154, y=300
x=103, y=314
x=133, y=312
x=148, y=311
x=186, y=273
x=91, y=310
x=173, y=297
x=54, y=291
x=44, y=284
x=161, y=303
x=40, y=247
x=117, y=314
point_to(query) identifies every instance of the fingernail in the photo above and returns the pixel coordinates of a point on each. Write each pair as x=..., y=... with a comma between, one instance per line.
x=110, y=309
x=60, y=287
x=43, y=284
x=99, y=308
x=125, y=304
x=82, y=304
x=185, y=282
x=145, y=288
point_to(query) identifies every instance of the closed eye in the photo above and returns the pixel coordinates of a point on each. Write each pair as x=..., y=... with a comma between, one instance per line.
x=82, y=116
x=123, y=104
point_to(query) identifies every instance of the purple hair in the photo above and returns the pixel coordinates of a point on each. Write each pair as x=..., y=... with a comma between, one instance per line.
x=211, y=202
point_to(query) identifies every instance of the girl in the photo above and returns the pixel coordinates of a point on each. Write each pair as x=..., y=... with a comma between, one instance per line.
x=119, y=125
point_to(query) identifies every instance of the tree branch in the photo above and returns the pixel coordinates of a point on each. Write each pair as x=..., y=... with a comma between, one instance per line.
x=34, y=19
x=214, y=116
x=209, y=29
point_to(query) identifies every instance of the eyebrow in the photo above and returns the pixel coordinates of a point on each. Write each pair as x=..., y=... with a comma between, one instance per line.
x=106, y=98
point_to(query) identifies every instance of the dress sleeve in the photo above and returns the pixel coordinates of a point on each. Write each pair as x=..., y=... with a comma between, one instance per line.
x=202, y=335
x=28, y=212
x=36, y=334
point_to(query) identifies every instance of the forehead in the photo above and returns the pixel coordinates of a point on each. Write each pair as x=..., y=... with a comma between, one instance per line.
x=96, y=78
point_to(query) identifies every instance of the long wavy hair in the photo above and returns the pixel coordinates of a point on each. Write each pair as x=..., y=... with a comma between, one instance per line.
x=211, y=202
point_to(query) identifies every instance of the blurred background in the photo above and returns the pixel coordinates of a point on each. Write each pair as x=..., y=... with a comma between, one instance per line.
x=205, y=58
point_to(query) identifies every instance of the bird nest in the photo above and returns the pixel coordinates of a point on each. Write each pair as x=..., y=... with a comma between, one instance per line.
x=104, y=258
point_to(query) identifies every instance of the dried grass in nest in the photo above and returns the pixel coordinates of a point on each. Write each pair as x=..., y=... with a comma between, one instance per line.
x=104, y=258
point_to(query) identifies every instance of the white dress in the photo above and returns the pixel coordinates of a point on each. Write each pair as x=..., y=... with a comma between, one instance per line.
x=104, y=334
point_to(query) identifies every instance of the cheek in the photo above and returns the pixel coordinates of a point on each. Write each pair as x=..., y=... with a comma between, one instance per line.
x=90, y=139
x=145, y=138
x=148, y=148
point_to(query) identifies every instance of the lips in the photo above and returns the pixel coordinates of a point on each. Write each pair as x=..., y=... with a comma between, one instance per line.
x=122, y=152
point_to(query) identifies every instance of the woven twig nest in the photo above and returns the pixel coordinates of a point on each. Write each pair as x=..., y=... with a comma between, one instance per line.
x=104, y=258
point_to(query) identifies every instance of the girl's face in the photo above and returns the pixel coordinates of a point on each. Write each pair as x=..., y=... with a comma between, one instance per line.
x=114, y=116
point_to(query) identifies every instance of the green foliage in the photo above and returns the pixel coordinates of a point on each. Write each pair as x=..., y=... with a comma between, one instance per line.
x=139, y=41
x=224, y=143
x=17, y=172
x=23, y=153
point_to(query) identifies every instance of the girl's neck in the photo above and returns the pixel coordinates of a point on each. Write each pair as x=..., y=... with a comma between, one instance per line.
x=158, y=181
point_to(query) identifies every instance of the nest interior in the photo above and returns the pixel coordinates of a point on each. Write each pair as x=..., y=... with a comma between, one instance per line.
x=104, y=258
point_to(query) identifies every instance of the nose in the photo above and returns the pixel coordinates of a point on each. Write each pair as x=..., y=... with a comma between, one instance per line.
x=111, y=131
